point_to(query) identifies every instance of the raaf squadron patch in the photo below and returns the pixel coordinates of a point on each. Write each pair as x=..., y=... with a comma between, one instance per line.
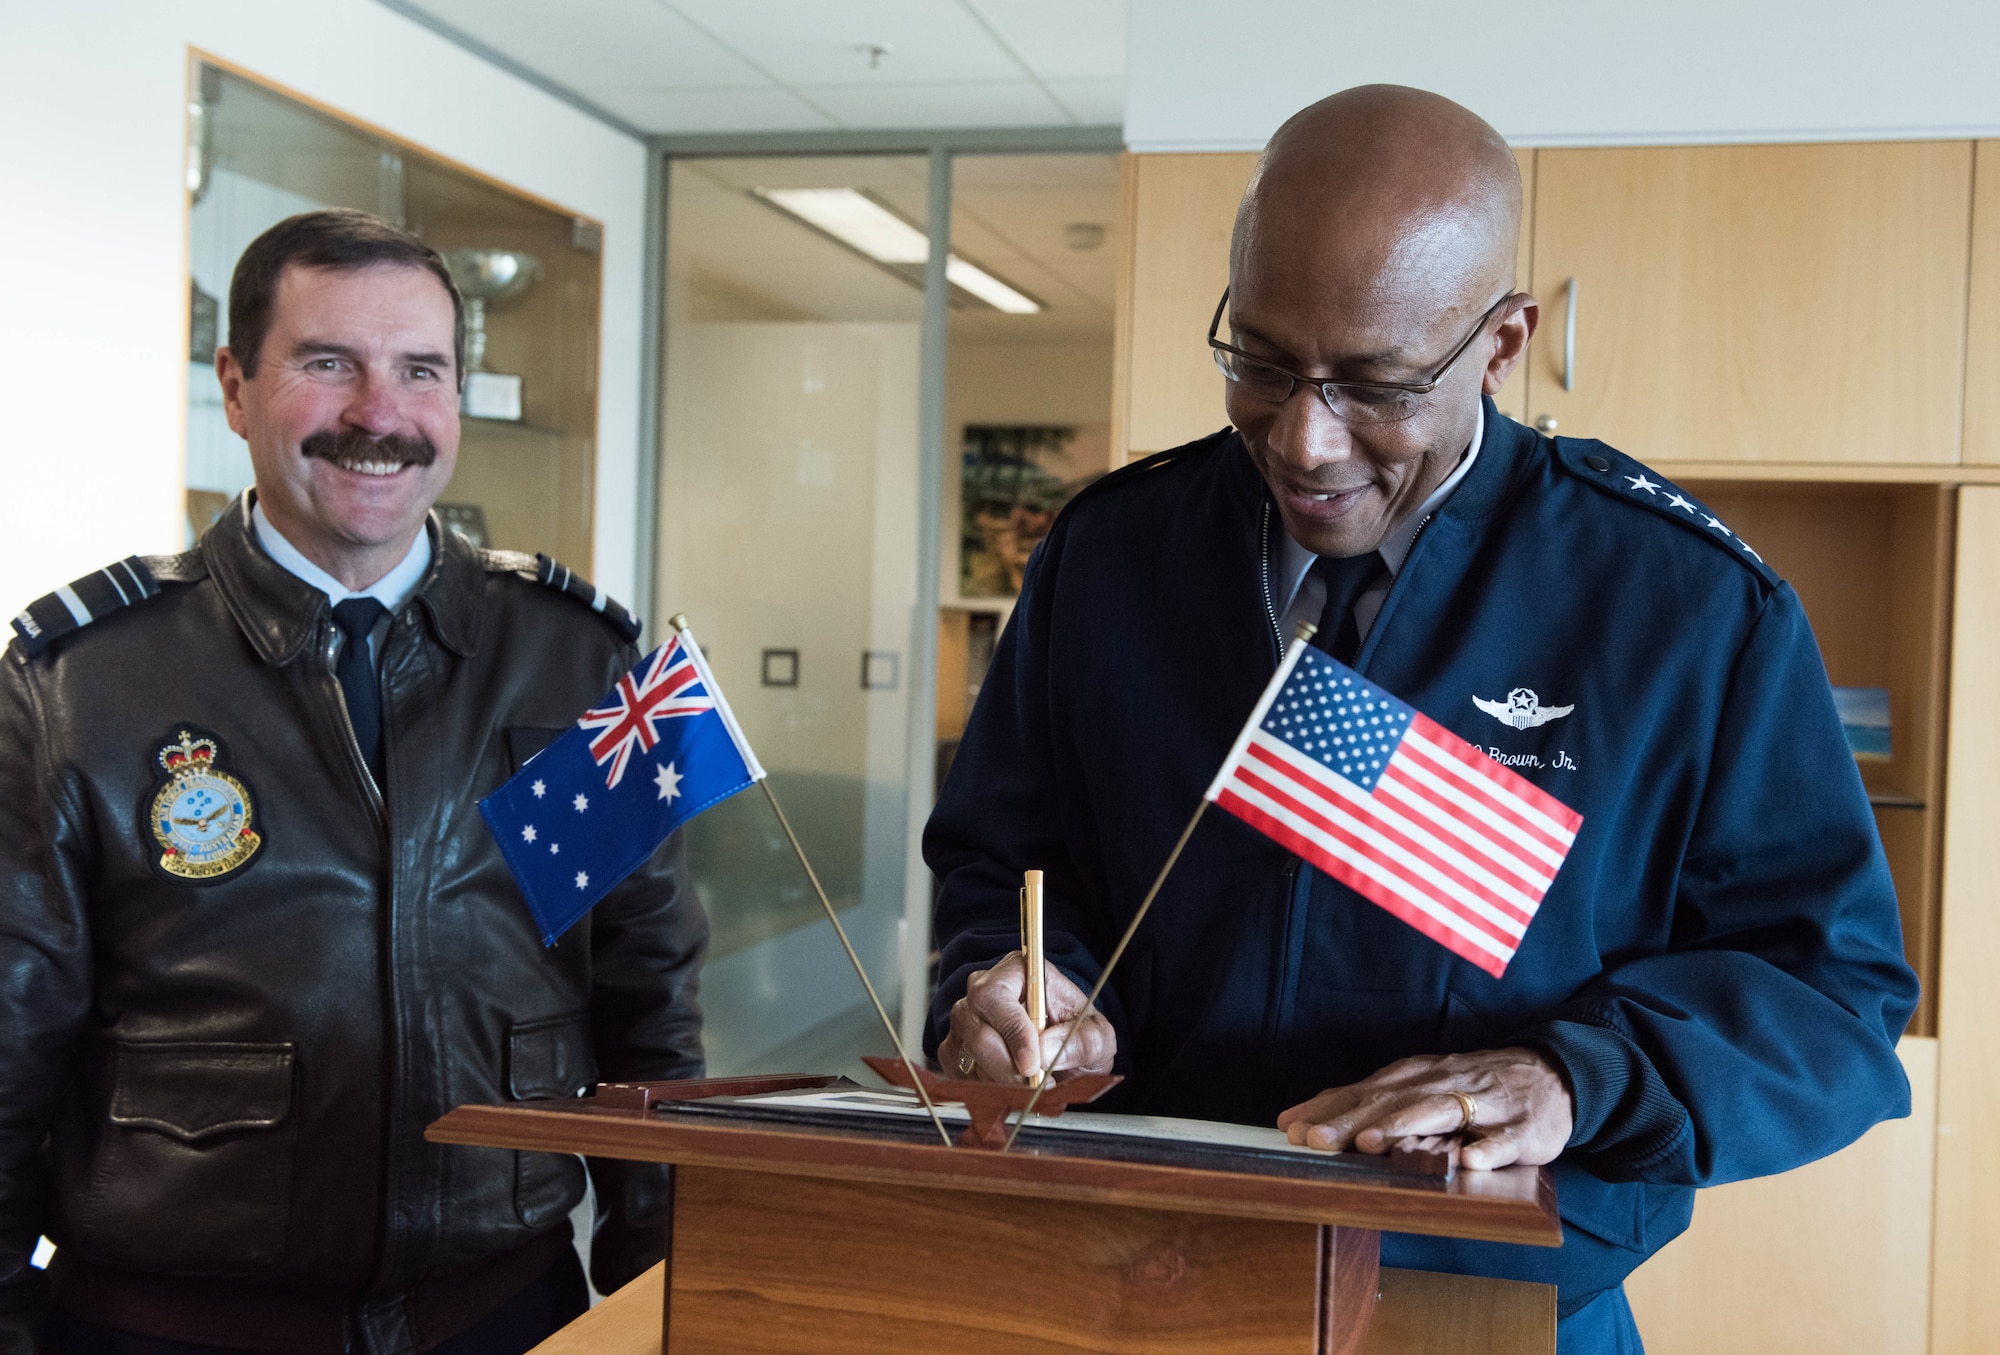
x=200, y=815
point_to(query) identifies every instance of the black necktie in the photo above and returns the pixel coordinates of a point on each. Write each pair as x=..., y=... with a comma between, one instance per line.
x=356, y=618
x=1346, y=578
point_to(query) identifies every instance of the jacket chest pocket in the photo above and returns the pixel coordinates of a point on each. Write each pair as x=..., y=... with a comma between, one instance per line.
x=548, y=1060
x=195, y=1165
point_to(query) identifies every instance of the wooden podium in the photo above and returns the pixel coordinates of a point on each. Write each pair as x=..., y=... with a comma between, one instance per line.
x=879, y=1238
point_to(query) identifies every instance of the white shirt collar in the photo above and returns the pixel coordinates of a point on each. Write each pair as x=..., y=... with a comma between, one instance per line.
x=392, y=590
x=1294, y=560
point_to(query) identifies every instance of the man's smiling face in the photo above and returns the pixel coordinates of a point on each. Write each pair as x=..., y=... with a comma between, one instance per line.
x=352, y=417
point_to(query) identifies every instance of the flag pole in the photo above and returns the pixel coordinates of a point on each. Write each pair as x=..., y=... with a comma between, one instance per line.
x=1097, y=988
x=916, y=1081
x=679, y=622
x=1306, y=631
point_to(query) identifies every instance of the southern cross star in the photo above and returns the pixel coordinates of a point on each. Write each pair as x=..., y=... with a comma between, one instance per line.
x=582, y=880
x=582, y=803
x=669, y=782
x=555, y=848
x=528, y=833
x=540, y=788
x=1641, y=482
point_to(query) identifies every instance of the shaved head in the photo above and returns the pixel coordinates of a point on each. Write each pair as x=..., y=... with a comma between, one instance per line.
x=1380, y=224
x=1389, y=187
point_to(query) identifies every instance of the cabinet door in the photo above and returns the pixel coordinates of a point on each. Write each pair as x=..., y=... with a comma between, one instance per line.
x=1982, y=357
x=1965, y=1301
x=1833, y=1258
x=1755, y=303
x=1180, y=210
x=1183, y=208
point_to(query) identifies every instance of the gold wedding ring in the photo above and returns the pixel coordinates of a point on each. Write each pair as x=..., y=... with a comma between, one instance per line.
x=1469, y=1106
x=966, y=1063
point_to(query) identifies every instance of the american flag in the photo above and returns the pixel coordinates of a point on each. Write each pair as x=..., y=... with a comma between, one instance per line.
x=1396, y=807
x=665, y=686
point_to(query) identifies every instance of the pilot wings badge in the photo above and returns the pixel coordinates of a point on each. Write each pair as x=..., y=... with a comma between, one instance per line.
x=1522, y=709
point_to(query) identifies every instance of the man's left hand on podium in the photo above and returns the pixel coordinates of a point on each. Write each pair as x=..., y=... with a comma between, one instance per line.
x=1511, y=1105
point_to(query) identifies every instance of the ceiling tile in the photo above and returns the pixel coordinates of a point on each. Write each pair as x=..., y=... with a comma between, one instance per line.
x=594, y=45
x=757, y=109
x=1092, y=102
x=1062, y=39
x=802, y=43
x=1000, y=103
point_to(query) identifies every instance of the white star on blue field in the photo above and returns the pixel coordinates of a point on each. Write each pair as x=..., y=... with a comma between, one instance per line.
x=1338, y=720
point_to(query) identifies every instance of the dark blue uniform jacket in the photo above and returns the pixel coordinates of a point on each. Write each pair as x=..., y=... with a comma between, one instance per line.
x=1718, y=969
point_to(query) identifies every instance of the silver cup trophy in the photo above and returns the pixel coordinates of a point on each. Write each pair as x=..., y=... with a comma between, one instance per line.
x=488, y=277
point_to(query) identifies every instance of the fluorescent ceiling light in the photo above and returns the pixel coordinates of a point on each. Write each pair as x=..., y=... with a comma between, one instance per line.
x=854, y=220
x=861, y=223
x=987, y=288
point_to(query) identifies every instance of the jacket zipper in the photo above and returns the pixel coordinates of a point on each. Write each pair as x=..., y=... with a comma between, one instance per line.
x=1271, y=606
x=359, y=762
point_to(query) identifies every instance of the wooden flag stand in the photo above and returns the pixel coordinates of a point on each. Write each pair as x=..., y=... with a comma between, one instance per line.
x=786, y=1238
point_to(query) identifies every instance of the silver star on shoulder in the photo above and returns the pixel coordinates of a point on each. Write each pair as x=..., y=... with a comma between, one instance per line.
x=1676, y=501
x=1641, y=482
x=540, y=788
x=528, y=833
x=582, y=880
x=669, y=782
x=1716, y=523
x=582, y=802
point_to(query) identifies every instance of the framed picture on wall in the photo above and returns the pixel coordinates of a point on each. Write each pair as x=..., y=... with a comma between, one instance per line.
x=1016, y=478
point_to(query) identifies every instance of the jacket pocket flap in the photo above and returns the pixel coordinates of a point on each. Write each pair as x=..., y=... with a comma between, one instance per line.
x=549, y=1059
x=196, y=1091
x=1611, y=1211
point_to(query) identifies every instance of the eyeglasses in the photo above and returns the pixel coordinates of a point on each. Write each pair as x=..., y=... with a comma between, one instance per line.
x=1350, y=401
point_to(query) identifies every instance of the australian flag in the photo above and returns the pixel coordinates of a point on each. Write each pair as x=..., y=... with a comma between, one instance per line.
x=589, y=809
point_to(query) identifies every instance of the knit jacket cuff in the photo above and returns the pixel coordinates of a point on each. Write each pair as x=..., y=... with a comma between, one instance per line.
x=1625, y=1117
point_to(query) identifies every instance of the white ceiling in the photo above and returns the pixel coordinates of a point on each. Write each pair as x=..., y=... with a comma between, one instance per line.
x=685, y=66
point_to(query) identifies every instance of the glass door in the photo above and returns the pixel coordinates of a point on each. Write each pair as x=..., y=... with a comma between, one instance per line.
x=788, y=535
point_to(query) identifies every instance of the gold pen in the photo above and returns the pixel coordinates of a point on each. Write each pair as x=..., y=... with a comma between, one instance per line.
x=1036, y=995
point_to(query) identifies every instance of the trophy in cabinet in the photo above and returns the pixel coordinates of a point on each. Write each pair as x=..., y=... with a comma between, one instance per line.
x=489, y=277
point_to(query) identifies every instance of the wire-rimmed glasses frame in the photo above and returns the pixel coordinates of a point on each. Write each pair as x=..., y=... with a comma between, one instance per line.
x=1351, y=401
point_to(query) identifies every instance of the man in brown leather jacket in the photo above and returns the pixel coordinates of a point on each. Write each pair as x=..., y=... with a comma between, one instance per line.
x=253, y=933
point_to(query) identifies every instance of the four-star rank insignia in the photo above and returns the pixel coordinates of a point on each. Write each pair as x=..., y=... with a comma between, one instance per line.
x=200, y=814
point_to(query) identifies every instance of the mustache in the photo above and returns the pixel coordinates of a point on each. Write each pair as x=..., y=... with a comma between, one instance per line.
x=353, y=445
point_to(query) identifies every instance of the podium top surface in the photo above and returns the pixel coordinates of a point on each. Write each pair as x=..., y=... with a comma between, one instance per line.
x=1516, y=1204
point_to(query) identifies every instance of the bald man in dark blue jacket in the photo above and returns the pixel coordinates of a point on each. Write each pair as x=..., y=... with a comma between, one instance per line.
x=1714, y=986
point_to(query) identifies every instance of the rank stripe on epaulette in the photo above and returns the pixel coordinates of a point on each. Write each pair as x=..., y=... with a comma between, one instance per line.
x=82, y=601
x=562, y=579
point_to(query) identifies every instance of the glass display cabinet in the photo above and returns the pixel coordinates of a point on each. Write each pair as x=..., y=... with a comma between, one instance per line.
x=530, y=273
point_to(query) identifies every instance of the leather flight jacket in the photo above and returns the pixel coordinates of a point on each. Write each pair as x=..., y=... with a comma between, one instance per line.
x=238, y=977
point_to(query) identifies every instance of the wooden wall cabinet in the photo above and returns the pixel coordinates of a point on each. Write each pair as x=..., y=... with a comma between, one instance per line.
x=1762, y=304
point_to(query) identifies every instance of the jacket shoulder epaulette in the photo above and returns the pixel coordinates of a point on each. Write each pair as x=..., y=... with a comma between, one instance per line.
x=129, y=582
x=1148, y=465
x=550, y=574
x=1618, y=475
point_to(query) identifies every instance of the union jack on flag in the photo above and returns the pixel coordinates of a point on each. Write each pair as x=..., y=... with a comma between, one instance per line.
x=664, y=686
x=1396, y=807
x=570, y=832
